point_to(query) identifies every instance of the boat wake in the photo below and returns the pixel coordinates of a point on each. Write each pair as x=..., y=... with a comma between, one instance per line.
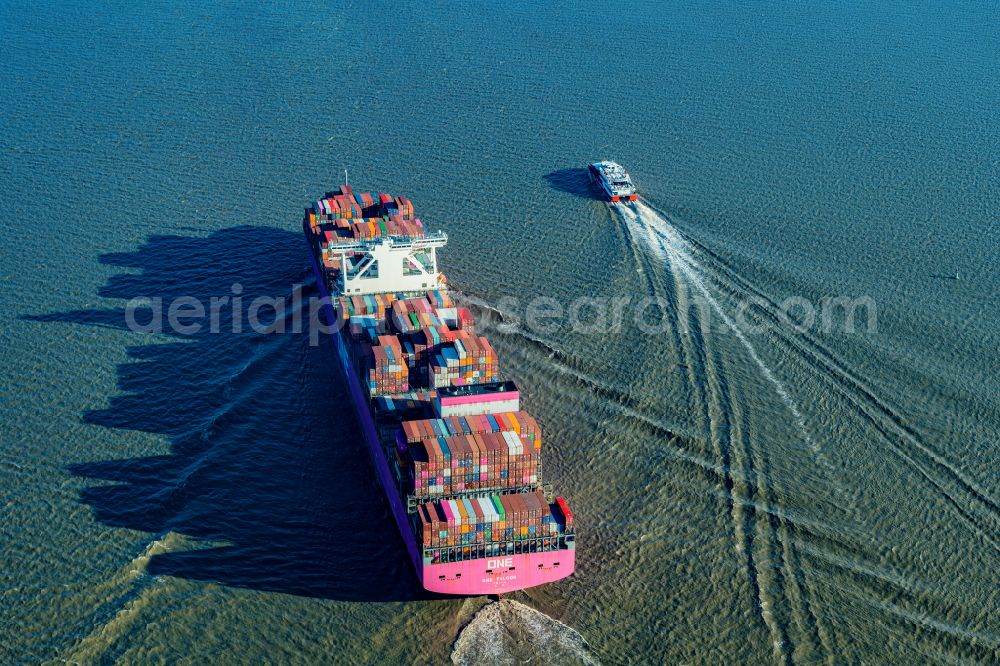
x=765, y=536
x=779, y=553
x=507, y=632
x=130, y=591
x=494, y=318
x=668, y=244
x=973, y=505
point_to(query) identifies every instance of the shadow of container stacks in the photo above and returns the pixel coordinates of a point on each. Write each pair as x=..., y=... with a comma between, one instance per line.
x=265, y=453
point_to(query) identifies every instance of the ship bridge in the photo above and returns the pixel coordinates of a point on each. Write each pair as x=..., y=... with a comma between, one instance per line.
x=389, y=264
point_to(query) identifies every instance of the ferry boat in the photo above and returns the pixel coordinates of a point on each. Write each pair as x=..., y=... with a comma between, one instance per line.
x=613, y=180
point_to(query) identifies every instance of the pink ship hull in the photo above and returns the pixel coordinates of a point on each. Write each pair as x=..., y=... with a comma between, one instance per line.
x=497, y=575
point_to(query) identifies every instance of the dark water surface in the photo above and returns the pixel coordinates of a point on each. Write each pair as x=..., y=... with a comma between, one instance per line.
x=807, y=495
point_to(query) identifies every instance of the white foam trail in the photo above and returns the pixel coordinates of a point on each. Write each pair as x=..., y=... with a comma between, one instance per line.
x=976, y=492
x=676, y=255
x=675, y=250
x=508, y=632
x=137, y=591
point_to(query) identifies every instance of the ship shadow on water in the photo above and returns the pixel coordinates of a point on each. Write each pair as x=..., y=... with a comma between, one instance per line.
x=573, y=181
x=265, y=457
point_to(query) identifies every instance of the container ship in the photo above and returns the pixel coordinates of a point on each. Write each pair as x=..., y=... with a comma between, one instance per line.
x=614, y=181
x=457, y=456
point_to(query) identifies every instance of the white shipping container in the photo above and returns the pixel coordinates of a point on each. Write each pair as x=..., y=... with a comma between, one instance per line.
x=448, y=315
x=490, y=407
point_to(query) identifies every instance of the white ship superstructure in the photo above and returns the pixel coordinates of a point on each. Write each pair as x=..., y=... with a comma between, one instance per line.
x=613, y=180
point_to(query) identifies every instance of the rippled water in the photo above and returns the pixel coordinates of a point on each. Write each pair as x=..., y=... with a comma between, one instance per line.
x=782, y=496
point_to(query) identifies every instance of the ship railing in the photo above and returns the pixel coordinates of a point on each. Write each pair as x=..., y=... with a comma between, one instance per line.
x=524, y=546
x=412, y=501
x=433, y=239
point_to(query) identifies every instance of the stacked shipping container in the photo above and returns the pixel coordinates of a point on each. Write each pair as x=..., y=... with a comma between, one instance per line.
x=413, y=314
x=468, y=360
x=472, y=482
x=520, y=423
x=343, y=216
x=464, y=463
x=488, y=519
x=469, y=453
x=438, y=346
x=387, y=369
